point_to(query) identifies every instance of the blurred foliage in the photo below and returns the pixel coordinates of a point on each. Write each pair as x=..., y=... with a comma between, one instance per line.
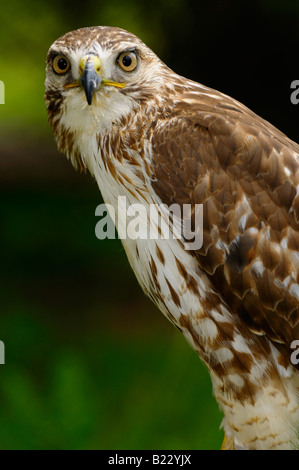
x=90, y=363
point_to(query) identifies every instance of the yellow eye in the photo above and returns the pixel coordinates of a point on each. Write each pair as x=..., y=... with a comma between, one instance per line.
x=61, y=64
x=127, y=61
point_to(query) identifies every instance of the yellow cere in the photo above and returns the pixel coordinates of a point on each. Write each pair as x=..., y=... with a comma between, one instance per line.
x=97, y=66
x=90, y=58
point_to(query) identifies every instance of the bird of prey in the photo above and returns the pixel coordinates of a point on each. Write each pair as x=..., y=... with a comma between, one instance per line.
x=157, y=138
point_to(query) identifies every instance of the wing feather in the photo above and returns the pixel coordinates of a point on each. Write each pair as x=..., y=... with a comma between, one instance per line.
x=245, y=172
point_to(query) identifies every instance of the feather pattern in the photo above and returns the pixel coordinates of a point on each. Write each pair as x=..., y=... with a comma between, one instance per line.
x=164, y=139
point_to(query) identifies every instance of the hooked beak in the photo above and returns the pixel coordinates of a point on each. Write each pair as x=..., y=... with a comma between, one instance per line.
x=90, y=77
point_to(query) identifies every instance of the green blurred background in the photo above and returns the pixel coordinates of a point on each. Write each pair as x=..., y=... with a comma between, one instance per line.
x=90, y=362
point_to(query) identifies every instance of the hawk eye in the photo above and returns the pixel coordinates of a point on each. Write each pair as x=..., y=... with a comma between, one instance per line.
x=61, y=64
x=127, y=61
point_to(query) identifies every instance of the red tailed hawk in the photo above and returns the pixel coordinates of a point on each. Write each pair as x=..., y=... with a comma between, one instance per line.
x=154, y=137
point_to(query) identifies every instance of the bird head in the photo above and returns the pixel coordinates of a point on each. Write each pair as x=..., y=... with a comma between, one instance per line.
x=102, y=80
x=100, y=72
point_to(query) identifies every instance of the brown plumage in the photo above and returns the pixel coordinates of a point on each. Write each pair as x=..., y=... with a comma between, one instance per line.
x=155, y=137
x=239, y=173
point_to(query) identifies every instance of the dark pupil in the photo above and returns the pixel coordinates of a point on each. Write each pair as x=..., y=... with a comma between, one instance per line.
x=127, y=61
x=62, y=64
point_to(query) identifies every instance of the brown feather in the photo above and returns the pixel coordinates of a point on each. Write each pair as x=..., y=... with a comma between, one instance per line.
x=220, y=156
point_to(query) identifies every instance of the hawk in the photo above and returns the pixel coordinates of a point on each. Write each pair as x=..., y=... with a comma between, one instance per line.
x=157, y=138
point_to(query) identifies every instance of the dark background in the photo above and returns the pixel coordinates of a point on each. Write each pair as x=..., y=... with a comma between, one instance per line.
x=90, y=362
